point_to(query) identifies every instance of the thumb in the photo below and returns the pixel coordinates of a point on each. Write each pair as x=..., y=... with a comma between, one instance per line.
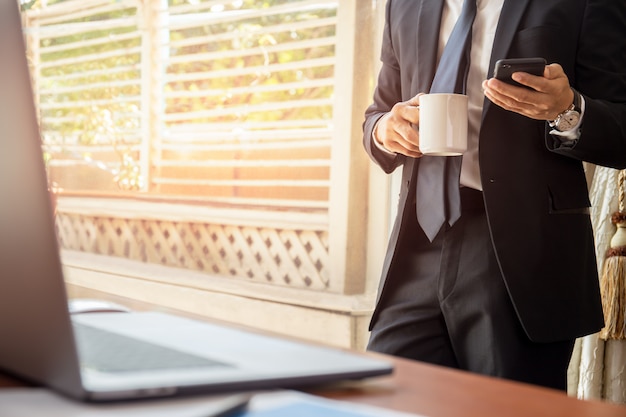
x=553, y=71
x=415, y=100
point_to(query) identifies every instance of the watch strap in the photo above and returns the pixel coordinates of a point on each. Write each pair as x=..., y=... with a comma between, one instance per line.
x=577, y=101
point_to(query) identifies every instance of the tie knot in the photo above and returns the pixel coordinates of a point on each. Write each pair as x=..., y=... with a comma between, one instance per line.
x=470, y=5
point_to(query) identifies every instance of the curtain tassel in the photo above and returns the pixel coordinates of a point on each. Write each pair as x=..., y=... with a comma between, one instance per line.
x=613, y=280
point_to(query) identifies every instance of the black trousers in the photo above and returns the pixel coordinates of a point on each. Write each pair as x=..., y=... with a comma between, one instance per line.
x=446, y=303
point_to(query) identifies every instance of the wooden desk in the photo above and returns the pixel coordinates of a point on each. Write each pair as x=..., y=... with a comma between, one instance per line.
x=439, y=392
x=434, y=391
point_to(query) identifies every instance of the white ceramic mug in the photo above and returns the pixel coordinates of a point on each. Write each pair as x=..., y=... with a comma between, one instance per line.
x=443, y=124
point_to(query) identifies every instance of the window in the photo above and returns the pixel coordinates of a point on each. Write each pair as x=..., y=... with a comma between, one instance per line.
x=220, y=101
x=208, y=135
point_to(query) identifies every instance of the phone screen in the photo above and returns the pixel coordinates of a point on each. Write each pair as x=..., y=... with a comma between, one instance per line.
x=506, y=67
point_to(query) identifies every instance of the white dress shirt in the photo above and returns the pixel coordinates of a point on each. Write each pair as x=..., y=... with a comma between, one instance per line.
x=483, y=34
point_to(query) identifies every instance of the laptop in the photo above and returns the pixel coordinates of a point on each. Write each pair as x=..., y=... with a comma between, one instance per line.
x=43, y=343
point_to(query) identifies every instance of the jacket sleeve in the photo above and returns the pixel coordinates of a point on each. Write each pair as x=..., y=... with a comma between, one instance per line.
x=600, y=75
x=387, y=94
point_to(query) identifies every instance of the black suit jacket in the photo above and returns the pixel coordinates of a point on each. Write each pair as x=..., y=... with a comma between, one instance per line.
x=534, y=188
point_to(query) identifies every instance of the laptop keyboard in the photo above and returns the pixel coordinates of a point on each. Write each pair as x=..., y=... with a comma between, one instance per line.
x=111, y=352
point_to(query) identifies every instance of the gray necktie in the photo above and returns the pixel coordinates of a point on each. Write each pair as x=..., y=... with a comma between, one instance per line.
x=438, y=199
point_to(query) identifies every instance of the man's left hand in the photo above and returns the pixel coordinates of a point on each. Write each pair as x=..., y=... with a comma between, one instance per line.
x=547, y=97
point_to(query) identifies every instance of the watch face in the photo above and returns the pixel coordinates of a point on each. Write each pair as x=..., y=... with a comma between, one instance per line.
x=568, y=120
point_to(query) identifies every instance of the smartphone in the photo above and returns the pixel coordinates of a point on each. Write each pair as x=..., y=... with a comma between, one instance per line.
x=506, y=67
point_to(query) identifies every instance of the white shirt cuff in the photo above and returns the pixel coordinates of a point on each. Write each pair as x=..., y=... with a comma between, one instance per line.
x=379, y=145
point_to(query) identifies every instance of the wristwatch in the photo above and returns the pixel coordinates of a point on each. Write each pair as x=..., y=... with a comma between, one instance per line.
x=570, y=117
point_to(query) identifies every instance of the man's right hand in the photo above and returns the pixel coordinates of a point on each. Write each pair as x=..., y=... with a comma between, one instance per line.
x=398, y=130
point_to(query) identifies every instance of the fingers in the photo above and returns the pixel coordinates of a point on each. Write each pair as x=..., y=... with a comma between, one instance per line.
x=520, y=100
x=544, y=99
x=398, y=135
x=415, y=101
x=543, y=83
x=408, y=110
x=397, y=130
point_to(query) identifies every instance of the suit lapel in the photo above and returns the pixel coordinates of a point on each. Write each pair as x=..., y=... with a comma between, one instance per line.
x=512, y=12
x=427, y=42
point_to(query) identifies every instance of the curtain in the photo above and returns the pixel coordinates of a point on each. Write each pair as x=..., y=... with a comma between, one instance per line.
x=598, y=368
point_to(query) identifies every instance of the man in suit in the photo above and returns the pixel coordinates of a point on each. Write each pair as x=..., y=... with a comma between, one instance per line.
x=507, y=288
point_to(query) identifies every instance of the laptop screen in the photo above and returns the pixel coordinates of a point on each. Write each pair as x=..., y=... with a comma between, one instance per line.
x=37, y=337
x=33, y=306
